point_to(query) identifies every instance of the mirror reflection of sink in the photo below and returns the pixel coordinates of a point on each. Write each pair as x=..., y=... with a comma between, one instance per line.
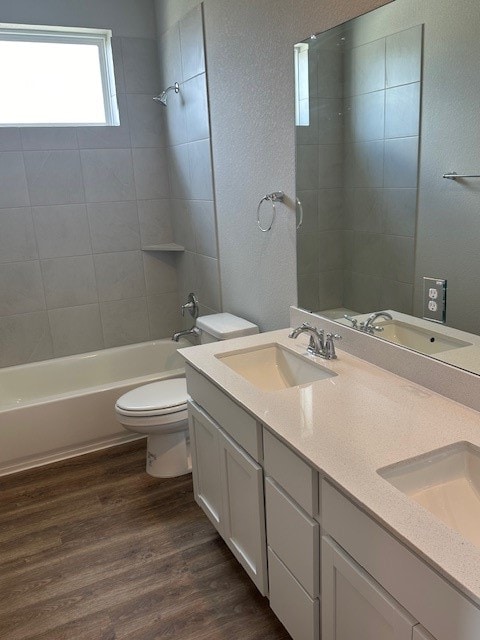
x=447, y=483
x=272, y=368
x=418, y=338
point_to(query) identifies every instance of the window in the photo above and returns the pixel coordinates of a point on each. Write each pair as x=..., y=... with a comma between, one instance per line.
x=56, y=76
x=302, y=91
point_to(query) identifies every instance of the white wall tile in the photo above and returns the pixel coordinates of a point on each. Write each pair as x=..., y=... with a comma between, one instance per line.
x=17, y=235
x=191, y=40
x=48, y=138
x=401, y=162
x=194, y=93
x=404, y=57
x=160, y=272
x=182, y=223
x=150, y=167
x=13, y=183
x=155, y=221
x=200, y=166
x=402, y=115
x=111, y=137
x=202, y=213
x=118, y=64
x=25, y=338
x=10, y=139
x=124, y=322
x=76, y=330
x=62, y=231
x=114, y=226
x=208, y=282
x=164, y=315
x=147, y=121
x=179, y=171
x=69, y=282
x=140, y=64
x=171, y=57
x=54, y=177
x=119, y=275
x=108, y=175
x=21, y=288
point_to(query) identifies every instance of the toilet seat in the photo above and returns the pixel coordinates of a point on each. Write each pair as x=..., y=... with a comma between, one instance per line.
x=162, y=398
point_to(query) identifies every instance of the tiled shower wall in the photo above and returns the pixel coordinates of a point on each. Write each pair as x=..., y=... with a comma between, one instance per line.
x=357, y=166
x=182, y=60
x=76, y=204
x=382, y=120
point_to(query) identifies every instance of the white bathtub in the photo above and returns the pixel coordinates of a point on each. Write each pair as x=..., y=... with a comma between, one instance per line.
x=60, y=408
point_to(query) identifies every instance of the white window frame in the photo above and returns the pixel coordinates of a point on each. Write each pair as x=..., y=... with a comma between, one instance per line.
x=102, y=38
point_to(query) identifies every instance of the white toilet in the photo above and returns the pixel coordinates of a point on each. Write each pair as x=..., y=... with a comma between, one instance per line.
x=159, y=410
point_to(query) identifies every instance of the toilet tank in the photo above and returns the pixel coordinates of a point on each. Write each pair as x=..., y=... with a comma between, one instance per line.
x=223, y=326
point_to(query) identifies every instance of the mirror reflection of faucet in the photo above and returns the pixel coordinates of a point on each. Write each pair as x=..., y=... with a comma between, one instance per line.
x=369, y=326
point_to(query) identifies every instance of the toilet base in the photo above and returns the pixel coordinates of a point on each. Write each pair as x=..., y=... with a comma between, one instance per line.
x=168, y=455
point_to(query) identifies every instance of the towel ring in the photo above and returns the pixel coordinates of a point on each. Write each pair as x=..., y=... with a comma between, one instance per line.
x=276, y=196
x=300, y=206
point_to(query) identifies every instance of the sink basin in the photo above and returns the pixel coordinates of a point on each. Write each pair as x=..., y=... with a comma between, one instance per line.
x=418, y=338
x=447, y=483
x=272, y=367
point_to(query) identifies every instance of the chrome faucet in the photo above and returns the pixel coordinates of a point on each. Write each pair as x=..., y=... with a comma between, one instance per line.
x=318, y=346
x=369, y=327
x=194, y=331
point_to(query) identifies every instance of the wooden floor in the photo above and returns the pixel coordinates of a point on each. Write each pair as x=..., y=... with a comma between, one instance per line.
x=95, y=549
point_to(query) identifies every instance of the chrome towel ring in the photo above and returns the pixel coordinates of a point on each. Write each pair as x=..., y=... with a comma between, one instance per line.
x=276, y=196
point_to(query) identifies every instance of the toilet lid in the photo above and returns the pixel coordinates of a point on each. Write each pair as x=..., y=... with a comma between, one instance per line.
x=165, y=396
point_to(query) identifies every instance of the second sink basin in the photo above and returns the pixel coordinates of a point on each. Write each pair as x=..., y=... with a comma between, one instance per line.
x=272, y=368
x=417, y=338
x=447, y=483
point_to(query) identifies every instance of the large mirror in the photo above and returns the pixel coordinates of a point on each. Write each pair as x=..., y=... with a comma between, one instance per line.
x=387, y=108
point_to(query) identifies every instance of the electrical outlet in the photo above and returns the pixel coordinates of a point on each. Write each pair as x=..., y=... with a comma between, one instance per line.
x=435, y=299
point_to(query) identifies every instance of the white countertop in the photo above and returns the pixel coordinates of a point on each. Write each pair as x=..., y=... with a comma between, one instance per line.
x=351, y=425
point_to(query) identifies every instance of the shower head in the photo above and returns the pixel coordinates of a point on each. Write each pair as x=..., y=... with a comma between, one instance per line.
x=162, y=98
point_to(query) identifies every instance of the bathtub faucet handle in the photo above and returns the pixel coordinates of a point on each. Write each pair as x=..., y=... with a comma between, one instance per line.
x=191, y=306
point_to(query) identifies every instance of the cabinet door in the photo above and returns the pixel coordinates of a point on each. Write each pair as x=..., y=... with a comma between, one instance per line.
x=354, y=606
x=204, y=442
x=243, y=510
x=419, y=633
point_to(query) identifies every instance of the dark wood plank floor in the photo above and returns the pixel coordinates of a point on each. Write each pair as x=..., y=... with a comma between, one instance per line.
x=95, y=549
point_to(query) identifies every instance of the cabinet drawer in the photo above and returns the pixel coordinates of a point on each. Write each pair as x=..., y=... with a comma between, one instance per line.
x=292, y=605
x=298, y=479
x=435, y=603
x=239, y=424
x=294, y=537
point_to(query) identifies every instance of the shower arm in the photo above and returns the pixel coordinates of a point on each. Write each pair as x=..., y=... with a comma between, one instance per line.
x=162, y=97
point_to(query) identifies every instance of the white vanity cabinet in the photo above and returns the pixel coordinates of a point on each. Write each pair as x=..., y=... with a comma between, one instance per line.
x=228, y=481
x=369, y=575
x=293, y=539
x=354, y=606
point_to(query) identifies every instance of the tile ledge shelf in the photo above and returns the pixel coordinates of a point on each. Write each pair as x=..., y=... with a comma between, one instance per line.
x=169, y=246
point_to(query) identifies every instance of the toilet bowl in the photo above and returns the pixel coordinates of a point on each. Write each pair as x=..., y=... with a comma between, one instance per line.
x=159, y=409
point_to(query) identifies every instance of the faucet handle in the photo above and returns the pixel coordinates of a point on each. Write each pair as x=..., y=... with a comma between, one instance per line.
x=354, y=321
x=330, y=345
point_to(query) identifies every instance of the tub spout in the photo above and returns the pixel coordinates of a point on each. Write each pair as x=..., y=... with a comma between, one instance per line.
x=194, y=331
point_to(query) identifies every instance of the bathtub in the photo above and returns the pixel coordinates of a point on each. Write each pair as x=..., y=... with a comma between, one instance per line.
x=64, y=407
